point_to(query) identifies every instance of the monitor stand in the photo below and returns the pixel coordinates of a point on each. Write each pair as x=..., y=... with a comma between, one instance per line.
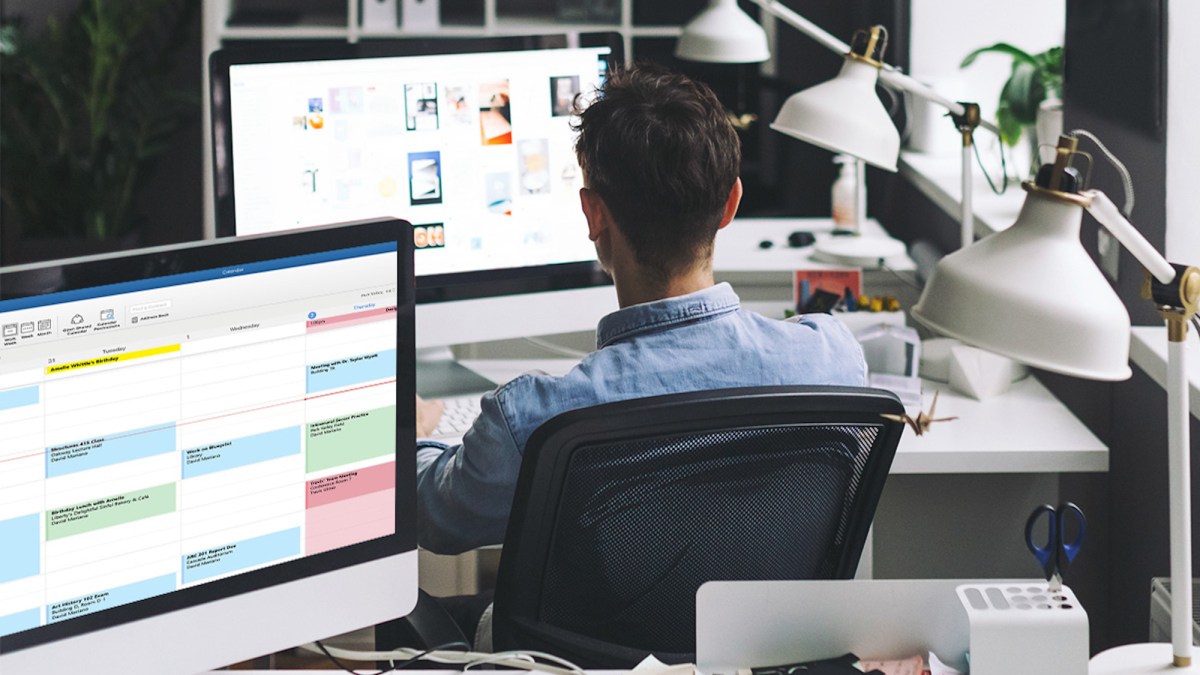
x=440, y=376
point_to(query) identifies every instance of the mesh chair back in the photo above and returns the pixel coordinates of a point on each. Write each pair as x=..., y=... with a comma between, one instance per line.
x=623, y=510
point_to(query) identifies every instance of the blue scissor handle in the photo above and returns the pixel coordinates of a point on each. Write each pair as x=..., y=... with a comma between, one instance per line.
x=1044, y=554
x=1070, y=550
x=1057, y=553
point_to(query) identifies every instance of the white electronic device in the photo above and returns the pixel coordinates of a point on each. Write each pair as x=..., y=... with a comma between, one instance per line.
x=380, y=15
x=752, y=624
x=1025, y=628
x=420, y=15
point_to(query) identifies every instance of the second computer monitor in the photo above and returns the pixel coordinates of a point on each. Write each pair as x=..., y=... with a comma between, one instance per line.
x=470, y=140
x=205, y=450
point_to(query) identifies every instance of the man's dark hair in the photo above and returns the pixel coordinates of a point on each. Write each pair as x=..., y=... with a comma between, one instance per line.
x=659, y=149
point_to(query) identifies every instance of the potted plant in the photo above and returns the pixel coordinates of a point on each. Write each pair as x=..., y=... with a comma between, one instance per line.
x=88, y=105
x=1033, y=89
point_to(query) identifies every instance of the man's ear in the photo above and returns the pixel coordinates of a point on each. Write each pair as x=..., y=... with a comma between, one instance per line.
x=731, y=203
x=595, y=211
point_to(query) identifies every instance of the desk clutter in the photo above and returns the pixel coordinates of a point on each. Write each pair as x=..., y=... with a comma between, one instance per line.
x=971, y=371
x=851, y=664
x=977, y=627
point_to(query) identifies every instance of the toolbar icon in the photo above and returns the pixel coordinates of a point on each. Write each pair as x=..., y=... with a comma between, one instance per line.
x=10, y=330
x=27, y=328
x=44, y=324
x=77, y=320
x=107, y=315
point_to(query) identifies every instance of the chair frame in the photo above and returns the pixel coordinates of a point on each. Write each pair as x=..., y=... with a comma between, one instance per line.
x=548, y=457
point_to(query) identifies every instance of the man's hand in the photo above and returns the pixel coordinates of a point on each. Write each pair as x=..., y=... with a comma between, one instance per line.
x=428, y=415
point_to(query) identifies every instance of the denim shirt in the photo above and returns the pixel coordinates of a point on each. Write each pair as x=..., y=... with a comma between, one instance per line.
x=703, y=340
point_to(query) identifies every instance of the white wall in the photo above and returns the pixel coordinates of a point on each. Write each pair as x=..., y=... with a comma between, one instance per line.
x=1183, y=134
x=945, y=31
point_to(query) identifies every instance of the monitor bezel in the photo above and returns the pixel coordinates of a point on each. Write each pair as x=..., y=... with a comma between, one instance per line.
x=103, y=270
x=432, y=288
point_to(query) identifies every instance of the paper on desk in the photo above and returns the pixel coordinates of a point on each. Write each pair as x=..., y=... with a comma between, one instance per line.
x=936, y=667
x=913, y=666
x=652, y=666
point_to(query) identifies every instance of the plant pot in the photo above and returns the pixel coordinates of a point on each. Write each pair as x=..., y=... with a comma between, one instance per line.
x=1049, y=127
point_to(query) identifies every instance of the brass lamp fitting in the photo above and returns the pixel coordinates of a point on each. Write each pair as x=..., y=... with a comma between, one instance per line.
x=1068, y=146
x=967, y=122
x=1061, y=180
x=1177, y=301
x=873, y=42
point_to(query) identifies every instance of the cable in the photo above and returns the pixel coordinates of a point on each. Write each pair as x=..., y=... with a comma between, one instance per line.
x=986, y=175
x=393, y=666
x=901, y=277
x=556, y=349
x=341, y=666
x=1126, y=180
x=519, y=660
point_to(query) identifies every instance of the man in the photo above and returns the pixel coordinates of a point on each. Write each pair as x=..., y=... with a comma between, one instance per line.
x=660, y=163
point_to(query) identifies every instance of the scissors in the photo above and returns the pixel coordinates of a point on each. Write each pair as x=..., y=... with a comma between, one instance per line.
x=1057, y=553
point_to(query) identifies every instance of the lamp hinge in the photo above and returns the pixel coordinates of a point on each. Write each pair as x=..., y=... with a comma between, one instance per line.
x=1176, y=301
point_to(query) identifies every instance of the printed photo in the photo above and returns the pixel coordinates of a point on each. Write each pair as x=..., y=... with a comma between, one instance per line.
x=459, y=107
x=533, y=166
x=429, y=236
x=346, y=100
x=425, y=177
x=499, y=193
x=563, y=91
x=421, y=106
x=495, y=114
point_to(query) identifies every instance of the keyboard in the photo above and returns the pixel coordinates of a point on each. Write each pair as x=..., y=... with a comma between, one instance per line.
x=459, y=415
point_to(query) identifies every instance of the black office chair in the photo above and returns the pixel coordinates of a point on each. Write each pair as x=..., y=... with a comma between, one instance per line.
x=623, y=510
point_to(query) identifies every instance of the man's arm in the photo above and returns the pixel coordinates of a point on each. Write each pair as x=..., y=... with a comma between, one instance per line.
x=464, y=492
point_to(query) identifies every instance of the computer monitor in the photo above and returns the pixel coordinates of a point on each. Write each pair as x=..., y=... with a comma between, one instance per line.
x=206, y=451
x=469, y=139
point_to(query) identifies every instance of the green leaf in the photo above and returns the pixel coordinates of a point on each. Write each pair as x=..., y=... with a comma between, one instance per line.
x=1010, y=128
x=1033, y=78
x=1016, y=53
x=1022, y=93
x=1050, y=71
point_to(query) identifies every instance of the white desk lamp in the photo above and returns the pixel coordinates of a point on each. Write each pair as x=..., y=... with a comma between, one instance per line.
x=843, y=115
x=1032, y=293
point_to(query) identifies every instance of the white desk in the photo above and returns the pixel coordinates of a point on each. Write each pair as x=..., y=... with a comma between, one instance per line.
x=1148, y=351
x=1026, y=430
x=939, y=177
x=738, y=246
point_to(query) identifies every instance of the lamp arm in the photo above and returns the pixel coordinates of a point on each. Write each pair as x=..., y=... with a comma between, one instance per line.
x=812, y=30
x=1107, y=214
x=891, y=76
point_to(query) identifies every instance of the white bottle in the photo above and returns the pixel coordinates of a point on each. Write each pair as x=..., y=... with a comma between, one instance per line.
x=843, y=194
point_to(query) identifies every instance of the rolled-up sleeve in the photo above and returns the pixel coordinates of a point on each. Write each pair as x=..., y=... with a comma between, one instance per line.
x=465, y=491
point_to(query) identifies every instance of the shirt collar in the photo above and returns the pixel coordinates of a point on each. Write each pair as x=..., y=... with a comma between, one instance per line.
x=659, y=314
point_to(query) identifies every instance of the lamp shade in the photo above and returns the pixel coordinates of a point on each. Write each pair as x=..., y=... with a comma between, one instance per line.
x=723, y=33
x=844, y=115
x=1033, y=294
